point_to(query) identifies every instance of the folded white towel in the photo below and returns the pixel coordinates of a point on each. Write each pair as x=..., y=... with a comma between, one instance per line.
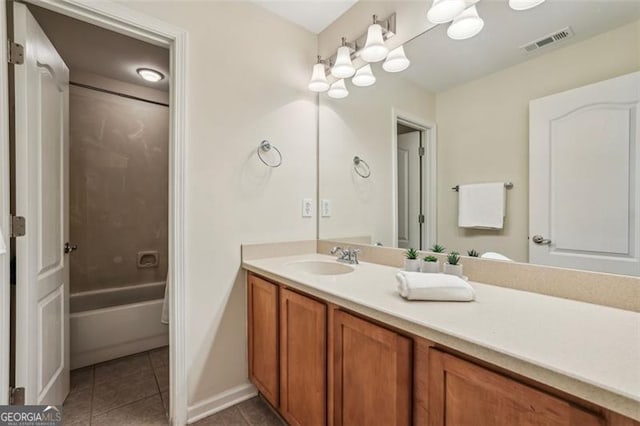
x=438, y=287
x=481, y=205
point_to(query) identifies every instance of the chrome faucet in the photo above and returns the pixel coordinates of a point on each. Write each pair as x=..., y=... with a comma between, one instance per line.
x=347, y=255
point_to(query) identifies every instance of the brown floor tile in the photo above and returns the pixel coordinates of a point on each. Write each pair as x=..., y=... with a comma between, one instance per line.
x=258, y=413
x=81, y=380
x=119, y=391
x=122, y=367
x=76, y=409
x=229, y=417
x=148, y=411
x=162, y=376
x=159, y=357
x=165, y=402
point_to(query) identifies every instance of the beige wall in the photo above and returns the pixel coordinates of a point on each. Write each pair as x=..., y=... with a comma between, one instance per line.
x=118, y=182
x=483, y=131
x=247, y=81
x=362, y=125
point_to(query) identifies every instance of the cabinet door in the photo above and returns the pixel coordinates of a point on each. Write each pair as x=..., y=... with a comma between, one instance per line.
x=303, y=359
x=263, y=337
x=462, y=393
x=372, y=374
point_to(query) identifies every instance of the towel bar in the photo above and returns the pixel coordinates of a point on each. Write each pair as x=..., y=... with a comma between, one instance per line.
x=508, y=185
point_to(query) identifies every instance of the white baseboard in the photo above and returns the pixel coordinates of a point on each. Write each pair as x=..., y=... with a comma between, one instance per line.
x=220, y=401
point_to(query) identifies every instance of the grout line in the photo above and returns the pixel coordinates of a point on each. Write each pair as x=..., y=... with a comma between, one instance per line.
x=93, y=389
x=242, y=415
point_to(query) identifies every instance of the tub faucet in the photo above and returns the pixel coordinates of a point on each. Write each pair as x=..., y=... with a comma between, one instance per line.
x=348, y=255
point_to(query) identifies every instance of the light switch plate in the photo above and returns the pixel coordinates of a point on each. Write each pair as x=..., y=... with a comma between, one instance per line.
x=325, y=208
x=307, y=207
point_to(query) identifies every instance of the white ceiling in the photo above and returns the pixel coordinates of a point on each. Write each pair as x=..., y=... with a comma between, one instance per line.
x=314, y=15
x=93, y=49
x=439, y=63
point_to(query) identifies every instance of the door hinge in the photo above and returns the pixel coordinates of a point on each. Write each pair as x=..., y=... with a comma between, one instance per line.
x=421, y=151
x=16, y=53
x=16, y=396
x=420, y=218
x=18, y=226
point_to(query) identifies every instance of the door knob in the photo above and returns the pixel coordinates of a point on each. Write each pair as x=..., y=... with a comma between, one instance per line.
x=540, y=240
x=68, y=248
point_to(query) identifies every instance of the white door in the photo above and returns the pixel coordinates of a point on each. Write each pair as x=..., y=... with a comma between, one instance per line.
x=42, y=308
x=584, y=184
x=409, y=190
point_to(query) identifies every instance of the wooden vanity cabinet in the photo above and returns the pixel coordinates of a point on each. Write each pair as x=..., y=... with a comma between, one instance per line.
x=262, y=299
x=303, y=359
x=372, y=374
x=463, y=393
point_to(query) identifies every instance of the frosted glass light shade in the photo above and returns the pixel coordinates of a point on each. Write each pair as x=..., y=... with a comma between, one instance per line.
x=374, y=49
x=443, y=11
x=343, y=68
x=524, y=4
x=396, y=61
x=466, y=25
x=364, y=77
x=338, y=90
x=318, y=81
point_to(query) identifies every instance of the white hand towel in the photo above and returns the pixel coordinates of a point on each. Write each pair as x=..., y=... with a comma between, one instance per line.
x=437, y=287
x=481, y=205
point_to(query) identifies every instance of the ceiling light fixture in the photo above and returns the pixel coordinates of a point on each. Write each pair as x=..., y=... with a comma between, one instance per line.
x=524, y=4
x=466, y=25
x=364, y=77
x=443, y=11
x=319, y=81
x=338, y=90
x=343, y=68
x=374, y=49
x=150, y=75
x=396, y=61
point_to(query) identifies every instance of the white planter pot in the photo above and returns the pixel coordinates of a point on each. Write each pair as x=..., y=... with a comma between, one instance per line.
x=412, y=265
x=453, y=269
x=431, y=267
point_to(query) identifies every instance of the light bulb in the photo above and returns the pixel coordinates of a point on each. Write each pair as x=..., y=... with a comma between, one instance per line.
x=396, y=61
x=318, y=81
x=338, y=90
x=343, y=68
x=524, y=4
x=364, y=77
x=443, y=11
x=466, y=25
x=374, y=49
x=150, y=75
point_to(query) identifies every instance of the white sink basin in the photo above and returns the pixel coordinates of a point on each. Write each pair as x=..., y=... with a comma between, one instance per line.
x=319, y=267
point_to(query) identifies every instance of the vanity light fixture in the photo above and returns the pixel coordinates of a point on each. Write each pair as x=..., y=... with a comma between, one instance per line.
x=338, y=90
x=443, y=11
x=319, y=81
x=396, y=61
x=150, y=75
x=343, y=68
x=466, y=25
x=524, y=4
x=364, y=77
x=374, y=49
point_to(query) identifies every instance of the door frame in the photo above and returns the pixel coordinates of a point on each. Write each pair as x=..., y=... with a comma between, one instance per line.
x=116, y=17
x=429, y=185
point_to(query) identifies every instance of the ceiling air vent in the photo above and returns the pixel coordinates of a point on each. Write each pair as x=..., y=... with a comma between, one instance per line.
x=563, y=34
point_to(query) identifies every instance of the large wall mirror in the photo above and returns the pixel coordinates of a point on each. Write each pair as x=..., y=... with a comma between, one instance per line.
x=546, y=102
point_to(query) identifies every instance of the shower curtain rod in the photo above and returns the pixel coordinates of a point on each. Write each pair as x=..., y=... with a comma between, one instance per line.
x=111, y=92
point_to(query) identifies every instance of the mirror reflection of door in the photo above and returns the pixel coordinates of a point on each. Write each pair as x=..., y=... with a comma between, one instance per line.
x=410, y=188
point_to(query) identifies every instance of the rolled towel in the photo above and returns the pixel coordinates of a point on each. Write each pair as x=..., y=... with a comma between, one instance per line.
x=437, y=287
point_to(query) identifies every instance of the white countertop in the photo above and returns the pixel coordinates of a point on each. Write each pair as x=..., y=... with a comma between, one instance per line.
x=587, y=350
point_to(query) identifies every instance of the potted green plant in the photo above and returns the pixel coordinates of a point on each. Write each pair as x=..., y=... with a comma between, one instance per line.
x=473, y=253
x=437, y=248
x=430, y=264
x=411, y=261
x=453, y=266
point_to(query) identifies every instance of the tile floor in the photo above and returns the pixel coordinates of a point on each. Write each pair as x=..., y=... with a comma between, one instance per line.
x=133, y=390
x=252, y=412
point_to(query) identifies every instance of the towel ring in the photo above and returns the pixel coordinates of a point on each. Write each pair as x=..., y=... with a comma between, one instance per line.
x=357, y=161
x=265, y=146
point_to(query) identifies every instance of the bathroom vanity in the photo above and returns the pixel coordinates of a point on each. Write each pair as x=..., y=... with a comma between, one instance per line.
x=340, y=347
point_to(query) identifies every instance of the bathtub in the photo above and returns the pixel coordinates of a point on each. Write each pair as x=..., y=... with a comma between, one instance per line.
x=111, y=323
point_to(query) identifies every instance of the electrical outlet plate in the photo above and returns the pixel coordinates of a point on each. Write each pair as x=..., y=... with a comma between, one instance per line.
x=325, y=208
x=307, y=207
